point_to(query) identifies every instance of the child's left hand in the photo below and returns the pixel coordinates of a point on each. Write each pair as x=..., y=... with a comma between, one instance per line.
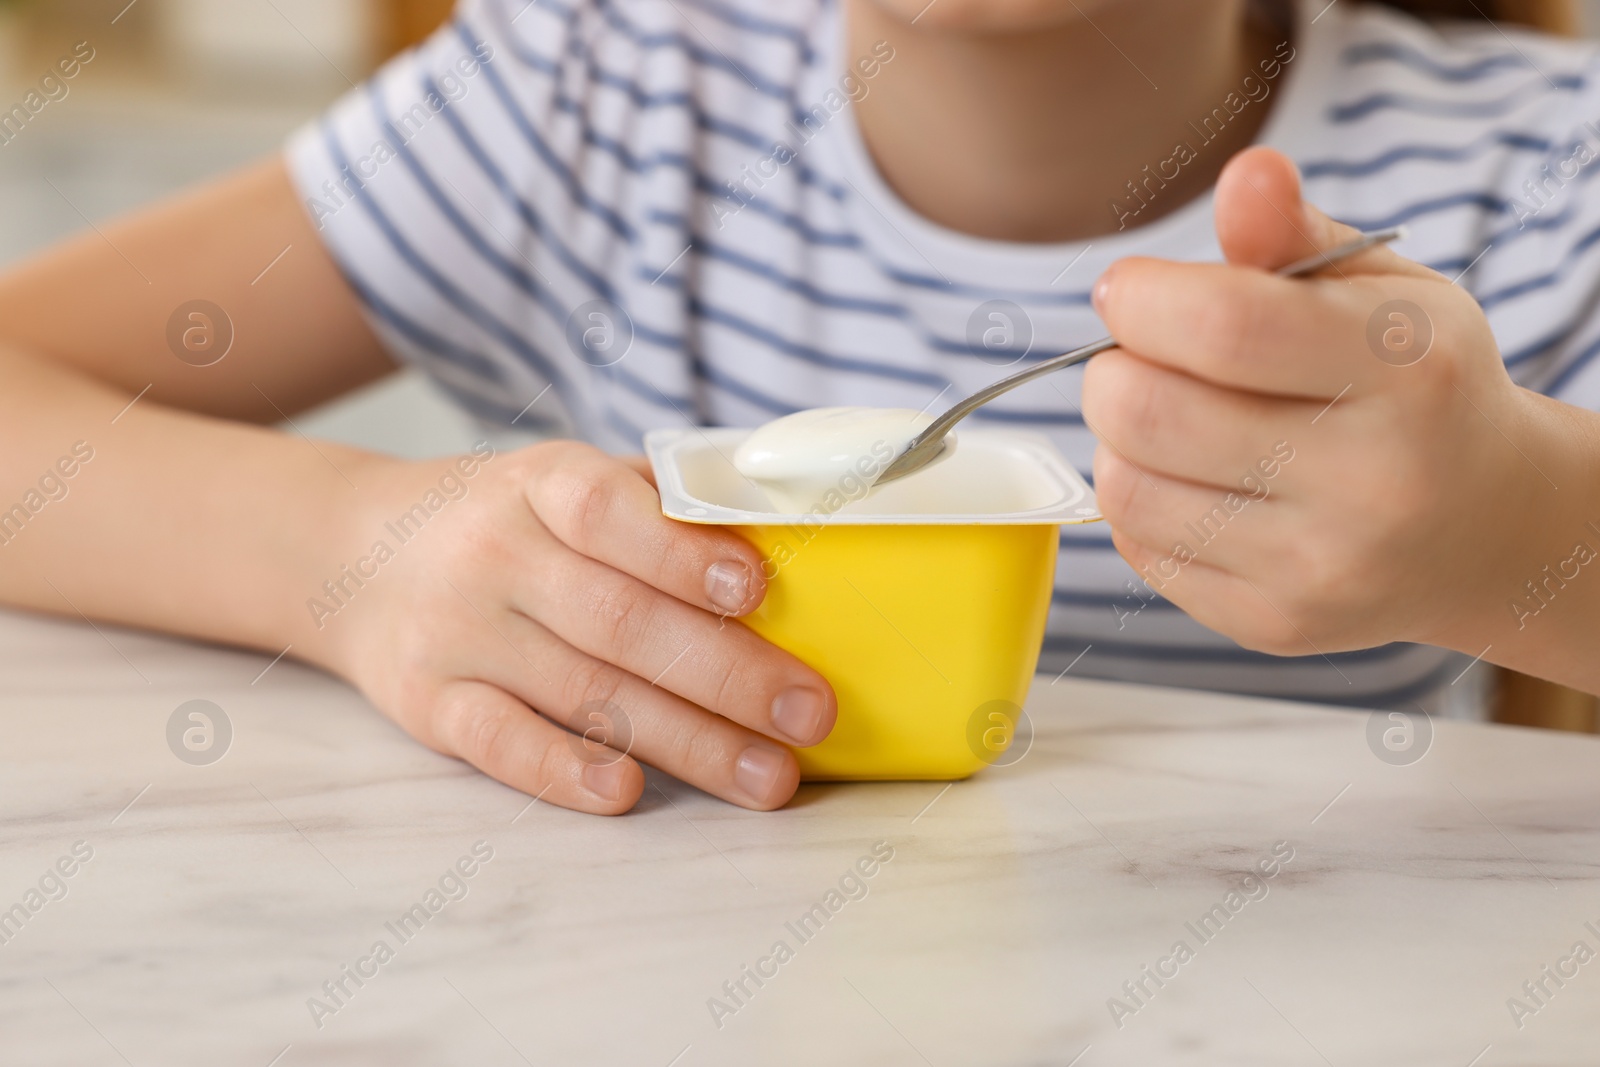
x=1295, y=465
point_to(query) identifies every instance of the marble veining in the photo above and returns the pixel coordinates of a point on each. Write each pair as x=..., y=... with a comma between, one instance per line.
x=1022, y=917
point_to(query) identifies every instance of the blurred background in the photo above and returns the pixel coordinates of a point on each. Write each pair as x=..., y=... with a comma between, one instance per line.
x=179, y=90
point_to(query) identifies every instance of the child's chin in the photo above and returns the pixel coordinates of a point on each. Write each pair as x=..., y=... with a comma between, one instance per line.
x=990, y=16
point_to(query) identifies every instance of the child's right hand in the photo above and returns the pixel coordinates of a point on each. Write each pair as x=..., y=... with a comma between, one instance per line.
x=553, y=597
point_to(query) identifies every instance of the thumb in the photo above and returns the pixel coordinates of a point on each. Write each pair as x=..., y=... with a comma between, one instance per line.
x=1264, y=221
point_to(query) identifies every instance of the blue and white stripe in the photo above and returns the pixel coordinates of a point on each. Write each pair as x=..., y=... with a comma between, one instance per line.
x=592, y=156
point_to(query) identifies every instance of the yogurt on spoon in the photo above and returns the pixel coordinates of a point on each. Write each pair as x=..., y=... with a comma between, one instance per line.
x=807, y=461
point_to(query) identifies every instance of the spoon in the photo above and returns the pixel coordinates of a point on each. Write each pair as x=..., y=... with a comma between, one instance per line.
x=929, y=445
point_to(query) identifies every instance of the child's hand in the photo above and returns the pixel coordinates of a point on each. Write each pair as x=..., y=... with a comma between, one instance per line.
x=1293, y=462
x=555, y=592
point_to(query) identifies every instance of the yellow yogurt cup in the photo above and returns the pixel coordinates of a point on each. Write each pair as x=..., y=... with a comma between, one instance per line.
x=924, y=604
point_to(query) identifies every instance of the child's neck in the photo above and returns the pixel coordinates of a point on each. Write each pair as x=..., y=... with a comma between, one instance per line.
x=1031, y=136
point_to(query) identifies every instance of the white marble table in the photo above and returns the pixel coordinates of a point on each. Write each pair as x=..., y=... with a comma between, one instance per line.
x=220, y=898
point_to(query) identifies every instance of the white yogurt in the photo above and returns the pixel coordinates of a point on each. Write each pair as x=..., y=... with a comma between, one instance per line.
x=825, y=458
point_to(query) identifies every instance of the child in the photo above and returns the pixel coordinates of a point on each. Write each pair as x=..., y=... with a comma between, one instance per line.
x=593, y=217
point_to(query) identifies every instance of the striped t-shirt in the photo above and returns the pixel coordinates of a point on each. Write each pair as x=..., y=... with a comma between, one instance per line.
x=690, y=170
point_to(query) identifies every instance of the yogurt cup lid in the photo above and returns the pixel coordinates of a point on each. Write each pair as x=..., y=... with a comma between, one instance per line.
x=993, y=477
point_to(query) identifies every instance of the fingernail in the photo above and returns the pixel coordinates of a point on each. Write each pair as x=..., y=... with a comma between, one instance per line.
x=757, y=772
x=796, y=713
x=728, y=585
x=1102, y=291
x=604, y=780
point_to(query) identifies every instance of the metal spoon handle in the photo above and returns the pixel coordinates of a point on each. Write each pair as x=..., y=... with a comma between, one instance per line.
x=930, y=442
